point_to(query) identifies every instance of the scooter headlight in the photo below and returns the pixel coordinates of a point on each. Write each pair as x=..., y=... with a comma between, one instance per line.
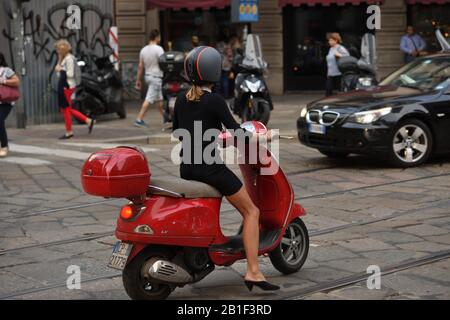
x=253, y=86
x=365, y=82
x=244, y=87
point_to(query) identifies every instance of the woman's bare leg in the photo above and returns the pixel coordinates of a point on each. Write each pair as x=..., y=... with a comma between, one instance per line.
x=242, y=202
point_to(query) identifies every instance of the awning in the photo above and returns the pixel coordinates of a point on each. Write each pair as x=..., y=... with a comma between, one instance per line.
x=282, y=3
x=427, y=1
x=187, y=4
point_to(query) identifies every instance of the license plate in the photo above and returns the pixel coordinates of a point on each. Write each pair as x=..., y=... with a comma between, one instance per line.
x=317, y=128
x=120, y=254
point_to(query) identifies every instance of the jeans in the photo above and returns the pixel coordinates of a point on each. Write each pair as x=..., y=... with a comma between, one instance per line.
x=5, y=109
x=409, y=58
x=225, y=83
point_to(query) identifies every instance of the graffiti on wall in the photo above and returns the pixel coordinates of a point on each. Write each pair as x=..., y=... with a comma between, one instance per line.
x=41, y=33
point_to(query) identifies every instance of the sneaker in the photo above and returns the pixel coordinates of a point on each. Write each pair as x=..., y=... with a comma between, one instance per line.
x=167, y=126
x=4, y=152
x=140, y=124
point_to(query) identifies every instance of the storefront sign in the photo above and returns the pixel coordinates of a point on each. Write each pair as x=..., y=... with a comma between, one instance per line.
x=244, y=11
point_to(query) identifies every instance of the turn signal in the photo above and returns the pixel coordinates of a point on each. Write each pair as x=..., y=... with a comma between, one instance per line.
x=126, y=212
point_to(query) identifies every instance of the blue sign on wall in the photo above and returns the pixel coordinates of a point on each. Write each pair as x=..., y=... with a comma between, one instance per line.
x=245, y=11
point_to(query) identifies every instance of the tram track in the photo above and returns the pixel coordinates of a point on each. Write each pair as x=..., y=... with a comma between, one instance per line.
x=59, y=209
x=335, y=284
x=312, y=233
x=362, y=276
x=296, y=295
x=328, y=286
x=318, y=195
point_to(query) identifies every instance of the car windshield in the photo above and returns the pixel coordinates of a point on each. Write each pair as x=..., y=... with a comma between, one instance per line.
x=424, y=74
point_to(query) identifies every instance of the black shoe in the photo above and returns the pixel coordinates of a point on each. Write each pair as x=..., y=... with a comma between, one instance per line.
x=263, y=285
x=66, y=137
x=91, y=126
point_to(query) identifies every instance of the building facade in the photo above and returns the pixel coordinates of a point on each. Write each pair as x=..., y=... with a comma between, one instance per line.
x=293, y=32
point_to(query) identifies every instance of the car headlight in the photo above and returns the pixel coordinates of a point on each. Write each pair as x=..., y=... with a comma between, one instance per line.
x=303, y=112
x=371, y=116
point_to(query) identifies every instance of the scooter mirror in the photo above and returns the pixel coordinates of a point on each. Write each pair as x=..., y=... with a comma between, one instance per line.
x=255, y=127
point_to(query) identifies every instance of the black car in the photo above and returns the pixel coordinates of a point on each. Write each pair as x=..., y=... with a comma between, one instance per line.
x=405, y=119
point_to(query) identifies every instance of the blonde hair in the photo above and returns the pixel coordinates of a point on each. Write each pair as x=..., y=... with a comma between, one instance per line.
x=64, y=46
x=335, y=36
x=194, y=94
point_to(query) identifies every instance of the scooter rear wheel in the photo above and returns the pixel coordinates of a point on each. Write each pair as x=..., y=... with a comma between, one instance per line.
x=136, y=285
x=291, y=254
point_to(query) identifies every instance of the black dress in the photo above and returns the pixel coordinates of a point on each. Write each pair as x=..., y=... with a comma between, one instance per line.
x=212, y=112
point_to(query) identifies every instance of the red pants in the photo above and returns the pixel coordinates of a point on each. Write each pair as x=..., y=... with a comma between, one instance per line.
x=69, y=112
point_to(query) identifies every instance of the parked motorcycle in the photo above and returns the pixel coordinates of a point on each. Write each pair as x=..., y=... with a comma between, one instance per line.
x=174, y=81
x=252, y=100
x=356, y=74
x=359, y=69
x=101, y=88
x=170, y=233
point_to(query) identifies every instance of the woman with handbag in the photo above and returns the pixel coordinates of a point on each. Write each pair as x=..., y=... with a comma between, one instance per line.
x=67, y=84
x=8, y=79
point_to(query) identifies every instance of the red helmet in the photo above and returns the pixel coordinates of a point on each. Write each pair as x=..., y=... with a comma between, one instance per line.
x=203, y=65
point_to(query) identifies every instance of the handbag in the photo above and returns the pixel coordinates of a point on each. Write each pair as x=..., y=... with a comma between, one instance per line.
x=8, y=94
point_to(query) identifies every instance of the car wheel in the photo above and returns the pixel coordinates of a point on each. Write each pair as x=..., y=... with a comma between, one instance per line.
x=411, y=144
x=334, y=154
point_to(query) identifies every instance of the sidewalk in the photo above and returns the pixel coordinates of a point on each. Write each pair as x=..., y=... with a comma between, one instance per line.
x=110, y=128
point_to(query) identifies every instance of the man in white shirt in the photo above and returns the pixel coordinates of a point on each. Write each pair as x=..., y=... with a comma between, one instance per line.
x=149, y=62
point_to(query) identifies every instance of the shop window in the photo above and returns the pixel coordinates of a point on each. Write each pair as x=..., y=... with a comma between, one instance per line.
x=422, y=18
x=305, y=43
x=210, y=26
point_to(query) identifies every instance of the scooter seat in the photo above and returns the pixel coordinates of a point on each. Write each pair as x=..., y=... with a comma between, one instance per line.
x=177, y=187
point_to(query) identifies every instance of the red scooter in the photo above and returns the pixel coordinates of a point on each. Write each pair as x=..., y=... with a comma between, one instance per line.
x=170, y=230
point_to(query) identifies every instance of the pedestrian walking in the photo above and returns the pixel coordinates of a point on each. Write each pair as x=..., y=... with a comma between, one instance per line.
x=412, y=44
x=68, y=73
x=336, y=52
x=7, y=78
x=149, y=63
x=227, y=56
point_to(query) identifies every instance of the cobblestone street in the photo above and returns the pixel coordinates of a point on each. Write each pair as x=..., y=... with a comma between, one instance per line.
x=360, y=212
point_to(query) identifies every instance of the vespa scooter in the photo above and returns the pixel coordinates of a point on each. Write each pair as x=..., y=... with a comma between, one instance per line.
x=170, y=233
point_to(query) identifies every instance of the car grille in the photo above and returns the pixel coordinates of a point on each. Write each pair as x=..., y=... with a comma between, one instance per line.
x=327, y=118
x=314, y=116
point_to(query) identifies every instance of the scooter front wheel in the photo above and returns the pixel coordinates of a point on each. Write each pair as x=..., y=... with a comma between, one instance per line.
x=137, y=285
x=291, y=254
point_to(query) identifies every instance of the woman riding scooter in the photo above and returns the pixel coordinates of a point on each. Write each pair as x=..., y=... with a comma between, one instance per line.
x=203, y=67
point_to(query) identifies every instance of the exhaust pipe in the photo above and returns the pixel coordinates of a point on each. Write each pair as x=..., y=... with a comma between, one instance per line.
x=169, y=272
